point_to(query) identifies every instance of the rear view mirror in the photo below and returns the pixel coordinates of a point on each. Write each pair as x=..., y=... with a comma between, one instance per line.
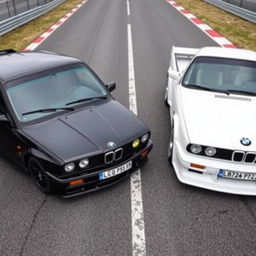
x=174, y=75
x=111, y=86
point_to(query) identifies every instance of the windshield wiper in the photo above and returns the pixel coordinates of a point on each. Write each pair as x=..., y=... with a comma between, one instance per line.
x=85, y=99
x=199, y=87
x=241, y=92
x=46, y=110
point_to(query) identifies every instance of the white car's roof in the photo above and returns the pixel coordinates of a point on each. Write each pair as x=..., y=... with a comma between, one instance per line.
x=232, y=53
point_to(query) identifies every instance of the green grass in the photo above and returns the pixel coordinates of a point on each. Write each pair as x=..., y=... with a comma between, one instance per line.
x=21, y=37
x=240, y=32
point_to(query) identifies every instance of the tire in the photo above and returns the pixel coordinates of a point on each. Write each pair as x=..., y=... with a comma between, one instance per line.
x=39, y=177
x=170, y=149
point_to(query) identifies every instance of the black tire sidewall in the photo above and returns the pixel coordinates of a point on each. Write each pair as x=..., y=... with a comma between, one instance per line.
x=47, y=189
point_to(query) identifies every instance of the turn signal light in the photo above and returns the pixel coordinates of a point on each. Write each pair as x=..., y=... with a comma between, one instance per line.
x=76, y=182
x=144, y=154
x=198, y=166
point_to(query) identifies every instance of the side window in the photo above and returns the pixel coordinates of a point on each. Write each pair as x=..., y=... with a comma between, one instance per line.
x=2, y=105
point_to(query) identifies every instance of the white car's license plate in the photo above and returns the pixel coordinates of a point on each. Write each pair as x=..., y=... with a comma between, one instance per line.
x=237, y=175
x=116, y=171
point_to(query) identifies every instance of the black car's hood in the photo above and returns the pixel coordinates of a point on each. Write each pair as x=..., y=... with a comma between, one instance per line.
x=87, y=131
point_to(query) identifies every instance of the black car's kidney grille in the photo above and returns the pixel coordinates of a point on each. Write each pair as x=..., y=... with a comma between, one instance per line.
x=113, y=157
x=98, y=162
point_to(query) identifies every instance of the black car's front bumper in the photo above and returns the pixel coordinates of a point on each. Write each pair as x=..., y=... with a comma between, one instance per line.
x=91, y=181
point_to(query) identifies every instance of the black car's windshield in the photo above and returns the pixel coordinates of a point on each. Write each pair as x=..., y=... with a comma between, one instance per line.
x=54, y=91
x=222, y=75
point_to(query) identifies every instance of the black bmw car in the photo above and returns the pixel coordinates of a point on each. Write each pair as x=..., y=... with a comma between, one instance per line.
x=59, y=121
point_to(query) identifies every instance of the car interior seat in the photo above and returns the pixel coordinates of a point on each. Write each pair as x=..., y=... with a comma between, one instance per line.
x=244, y=76
x=208, y=75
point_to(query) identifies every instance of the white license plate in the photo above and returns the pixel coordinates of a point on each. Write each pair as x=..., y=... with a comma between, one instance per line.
x=237, y=175
x=116, y=171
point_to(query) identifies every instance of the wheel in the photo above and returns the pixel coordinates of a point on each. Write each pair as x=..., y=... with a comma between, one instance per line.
x=170, y=145
x=39, y=176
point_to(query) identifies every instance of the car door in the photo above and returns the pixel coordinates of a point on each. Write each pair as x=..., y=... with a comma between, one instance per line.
x=11, y=145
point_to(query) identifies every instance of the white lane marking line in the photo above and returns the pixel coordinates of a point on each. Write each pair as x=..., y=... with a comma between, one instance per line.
x=128, y=9
x=132, y=89
x=138, y=226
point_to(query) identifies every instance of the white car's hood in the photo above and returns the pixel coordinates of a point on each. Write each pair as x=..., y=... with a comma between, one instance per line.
x=219, y=120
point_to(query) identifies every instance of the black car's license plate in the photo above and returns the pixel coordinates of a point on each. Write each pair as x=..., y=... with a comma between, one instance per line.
x=115, y=171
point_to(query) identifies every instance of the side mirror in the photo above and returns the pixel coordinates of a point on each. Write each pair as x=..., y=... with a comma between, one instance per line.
x=111, y=86
x=174, y=75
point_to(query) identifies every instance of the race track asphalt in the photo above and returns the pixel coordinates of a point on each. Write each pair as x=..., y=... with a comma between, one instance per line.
x=179, y=219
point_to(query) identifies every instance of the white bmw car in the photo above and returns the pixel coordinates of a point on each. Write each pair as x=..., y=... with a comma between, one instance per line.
x=211, y=93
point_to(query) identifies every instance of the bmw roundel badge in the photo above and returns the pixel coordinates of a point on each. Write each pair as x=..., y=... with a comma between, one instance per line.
x=111, y=144
x=245, y=142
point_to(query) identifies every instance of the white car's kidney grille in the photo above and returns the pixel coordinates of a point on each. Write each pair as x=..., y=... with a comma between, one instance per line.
x=246, y=157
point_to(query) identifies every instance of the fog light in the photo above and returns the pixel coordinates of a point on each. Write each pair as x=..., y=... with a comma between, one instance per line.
x=196, y=149
x=210, y=151
x=136, y=143
x=69, y=167
x=84, y=163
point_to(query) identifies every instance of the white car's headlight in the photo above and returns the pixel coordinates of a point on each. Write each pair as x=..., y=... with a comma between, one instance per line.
x=196, y=149
x=144, y=138
x=210, y=151
x=84, y=163
x=69, y=167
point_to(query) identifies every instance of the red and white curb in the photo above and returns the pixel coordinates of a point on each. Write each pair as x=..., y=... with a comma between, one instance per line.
x=52, y=29
x=218, y=38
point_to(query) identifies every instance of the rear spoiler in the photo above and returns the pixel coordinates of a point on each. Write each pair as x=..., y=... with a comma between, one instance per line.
x=181, y=57
x=7, y=51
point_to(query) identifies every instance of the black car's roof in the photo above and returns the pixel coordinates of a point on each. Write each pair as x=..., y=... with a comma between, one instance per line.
x=18, y=64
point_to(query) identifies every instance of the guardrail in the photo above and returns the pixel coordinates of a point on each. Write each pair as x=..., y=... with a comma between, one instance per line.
x=16, y=21
x=241, y=12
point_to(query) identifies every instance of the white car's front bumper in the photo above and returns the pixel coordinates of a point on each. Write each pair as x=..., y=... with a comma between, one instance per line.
x=208, y=178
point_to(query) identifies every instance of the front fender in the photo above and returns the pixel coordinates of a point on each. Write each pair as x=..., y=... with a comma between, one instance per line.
x=43, y=156
x=180, y=133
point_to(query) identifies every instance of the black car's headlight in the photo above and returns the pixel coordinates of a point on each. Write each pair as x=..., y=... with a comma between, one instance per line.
x=69, y=167
x=83, y=163
x=136, y=143
x=144, y=138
